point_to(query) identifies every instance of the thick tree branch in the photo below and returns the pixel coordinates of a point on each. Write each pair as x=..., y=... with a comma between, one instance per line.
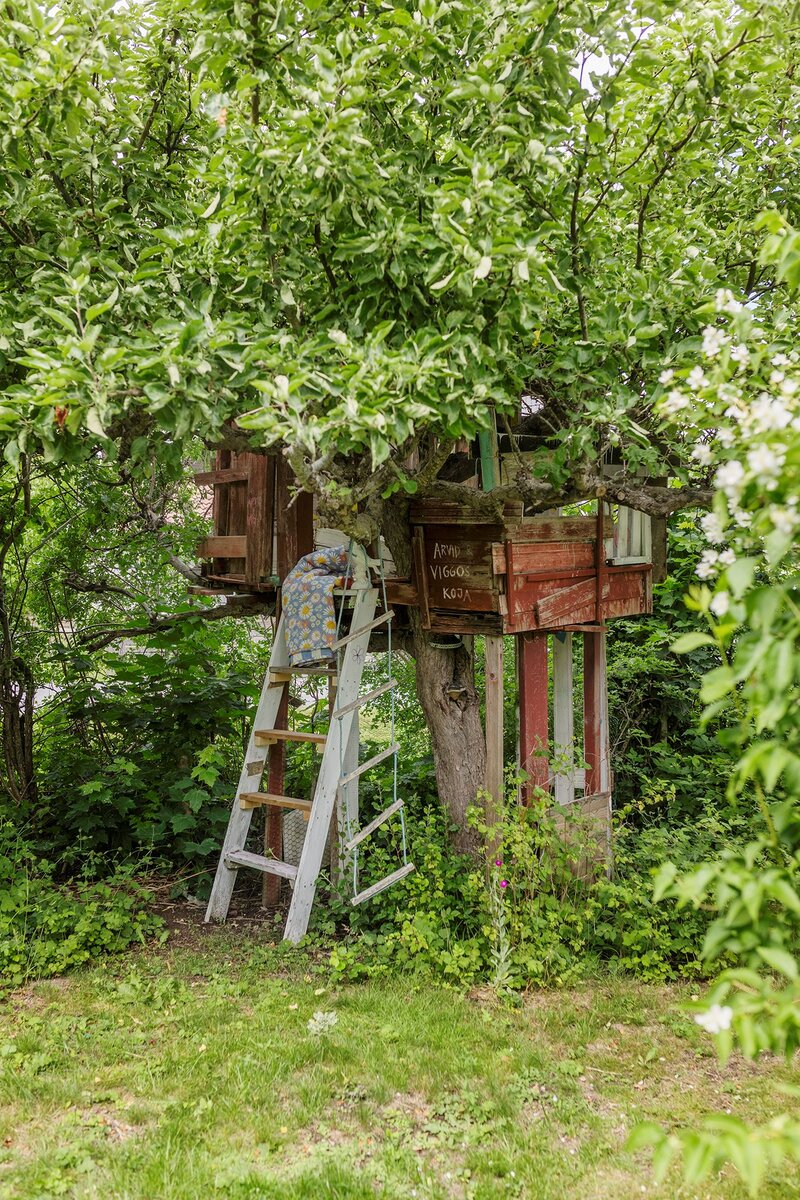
x=242, y=606
x=540, y=495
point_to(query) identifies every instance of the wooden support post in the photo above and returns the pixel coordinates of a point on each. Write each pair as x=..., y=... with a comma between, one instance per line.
x=596, y=747
x=563, y=718
x=533, y=711
x=493, y=659
x=273, y=818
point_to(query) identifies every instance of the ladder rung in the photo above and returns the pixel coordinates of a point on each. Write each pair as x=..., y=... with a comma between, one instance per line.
x=373, y=825
x=371, y=762
x=284, y=674
x=357, y=633
x=268, y=800
x=270, y=866
x=383, y=884
x=268, y=737
x=365, y=699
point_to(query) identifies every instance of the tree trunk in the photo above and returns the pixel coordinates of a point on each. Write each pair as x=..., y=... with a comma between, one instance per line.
x=446, y=691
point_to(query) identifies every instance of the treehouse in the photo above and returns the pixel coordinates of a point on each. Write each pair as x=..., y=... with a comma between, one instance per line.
x=545, y=579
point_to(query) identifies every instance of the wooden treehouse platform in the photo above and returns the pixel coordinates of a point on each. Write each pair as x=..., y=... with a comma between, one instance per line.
x=540, y=578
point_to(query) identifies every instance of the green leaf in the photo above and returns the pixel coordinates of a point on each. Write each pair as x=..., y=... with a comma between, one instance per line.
x=779, y=960
x=691, y=641
x=97, y=310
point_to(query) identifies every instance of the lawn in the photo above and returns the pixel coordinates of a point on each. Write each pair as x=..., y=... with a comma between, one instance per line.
x=190, y=1071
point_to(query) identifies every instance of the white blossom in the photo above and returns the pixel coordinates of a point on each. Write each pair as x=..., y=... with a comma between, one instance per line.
x=736, y=412
x=742, y=518
x=740, y=354
x=712, y=528
x=780, y=360
x=726, y=437
x=716, y=1019
x=713, y=340
x=727, y=558
x=706, y=566
x=666, y=376
x=765, y=461
x=674, y=402
x=776, y=377
x=789, y=387
x=696, y=379
x=769, y=412
x=725, y=301
x=784, y=520
x=703, y=454
x=720, y=604
x=730, y=477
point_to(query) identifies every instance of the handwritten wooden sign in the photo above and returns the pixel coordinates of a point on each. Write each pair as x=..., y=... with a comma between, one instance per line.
x=458, y=568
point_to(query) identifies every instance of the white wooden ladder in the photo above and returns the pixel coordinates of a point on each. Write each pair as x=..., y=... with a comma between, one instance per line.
x=337, y=775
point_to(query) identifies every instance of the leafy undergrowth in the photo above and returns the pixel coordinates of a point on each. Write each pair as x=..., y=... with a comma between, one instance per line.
x=236, y=1069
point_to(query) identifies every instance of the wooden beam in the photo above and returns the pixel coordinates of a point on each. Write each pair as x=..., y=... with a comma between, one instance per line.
x=207, y=478
x=493, y=670
x=260, y=500
x=273, y=820
x=563, y=718
x=596, y=749
x=223, y=547
x=532, y=679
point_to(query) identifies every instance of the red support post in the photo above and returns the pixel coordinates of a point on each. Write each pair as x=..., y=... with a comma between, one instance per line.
x=533, y=711
x=596, y=747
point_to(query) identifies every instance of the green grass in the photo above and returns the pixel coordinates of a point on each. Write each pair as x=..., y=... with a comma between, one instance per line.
x=187, y=1073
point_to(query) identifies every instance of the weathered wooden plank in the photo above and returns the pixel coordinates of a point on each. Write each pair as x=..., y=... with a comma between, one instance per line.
x=383, y=884
x=356, y=633
x=273, y=823
x=243, y=858
x=401, y=591
x=260, y=497
x=543, y=558
x=466, y=623
x=237, y=516
x=534, y=721
x=373, y=825
x=566, y=604
x=230, y=475
x=458, y=568
x=560, y=529
x=586, y=826
x=234, y=546
x=450, y=512
x=596, y=748
x=272, y=800
x=369, y=764
x=563, y=718
x=494, y=730
x=266, y=737
x=418, y=547
x=338, y=713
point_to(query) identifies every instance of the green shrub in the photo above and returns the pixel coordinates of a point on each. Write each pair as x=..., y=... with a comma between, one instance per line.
x=47, y=927
x=530, y=920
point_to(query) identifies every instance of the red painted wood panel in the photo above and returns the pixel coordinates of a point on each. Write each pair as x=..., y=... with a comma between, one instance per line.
x=544, y=557
x=533, y=710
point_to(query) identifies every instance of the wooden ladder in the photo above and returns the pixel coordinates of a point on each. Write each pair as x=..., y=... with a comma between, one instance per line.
x=337, y=773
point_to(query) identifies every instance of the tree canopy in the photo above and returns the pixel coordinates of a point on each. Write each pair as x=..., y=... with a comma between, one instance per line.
x=358, y=229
